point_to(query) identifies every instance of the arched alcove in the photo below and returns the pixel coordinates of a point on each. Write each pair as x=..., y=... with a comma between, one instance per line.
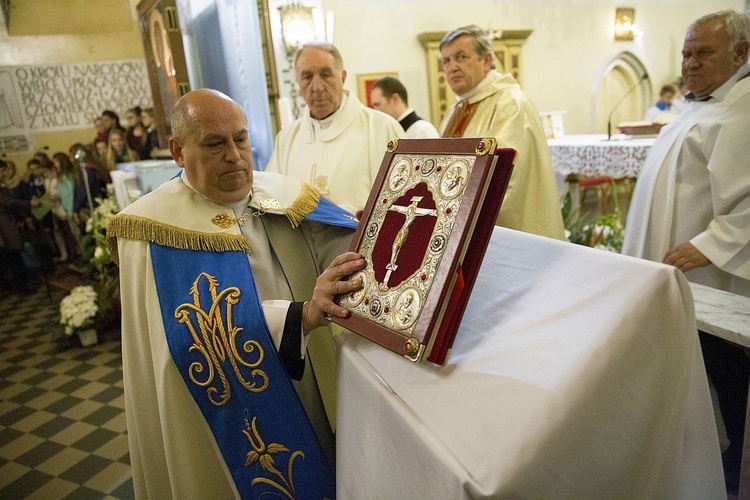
x=614, y=94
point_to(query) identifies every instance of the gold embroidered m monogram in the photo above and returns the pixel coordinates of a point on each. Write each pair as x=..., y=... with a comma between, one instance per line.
x=215, y=338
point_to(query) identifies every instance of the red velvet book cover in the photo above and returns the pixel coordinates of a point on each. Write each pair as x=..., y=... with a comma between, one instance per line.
x=423, y=234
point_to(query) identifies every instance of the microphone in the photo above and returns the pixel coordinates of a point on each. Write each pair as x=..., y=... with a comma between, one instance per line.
x=81, y=157
x=609, y=119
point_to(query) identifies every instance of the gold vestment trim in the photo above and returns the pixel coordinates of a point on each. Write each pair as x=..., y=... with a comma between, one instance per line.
x=305, y=203
x=135, y=227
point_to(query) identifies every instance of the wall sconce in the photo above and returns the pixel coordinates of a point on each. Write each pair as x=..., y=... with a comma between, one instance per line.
x=297, y=26
x=625, y=28
x=297, y=29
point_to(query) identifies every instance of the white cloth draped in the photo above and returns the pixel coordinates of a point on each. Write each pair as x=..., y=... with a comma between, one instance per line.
x=576, y=373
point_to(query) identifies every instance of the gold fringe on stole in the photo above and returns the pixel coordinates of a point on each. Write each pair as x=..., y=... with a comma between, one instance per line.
x=305, y=203
x=134, y=227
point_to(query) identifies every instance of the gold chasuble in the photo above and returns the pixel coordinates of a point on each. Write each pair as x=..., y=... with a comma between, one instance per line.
x=498, y=108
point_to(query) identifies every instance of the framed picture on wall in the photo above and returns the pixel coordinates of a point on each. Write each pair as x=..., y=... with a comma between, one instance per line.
x=165, y=58
x=365, y=82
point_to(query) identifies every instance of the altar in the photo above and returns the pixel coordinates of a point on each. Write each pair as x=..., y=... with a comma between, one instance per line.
x=595, y=156
x=576, y=373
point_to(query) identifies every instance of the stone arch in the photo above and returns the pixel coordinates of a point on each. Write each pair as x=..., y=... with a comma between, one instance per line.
x=612, y=92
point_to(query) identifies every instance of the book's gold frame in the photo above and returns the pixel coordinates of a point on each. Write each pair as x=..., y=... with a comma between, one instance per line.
x=414, y=306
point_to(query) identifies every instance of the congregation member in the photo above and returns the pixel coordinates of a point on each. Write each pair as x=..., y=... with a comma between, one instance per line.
x=19, y=188
x=119, y=151
x=151, y=141
x=14, y=276
x=135, y=131
x=213, y=284
x=102, y=148
x=389, y=95
x=67, y=178
x=337, y=146
x=101, y=130
x=663, y=105
x=96, y=178
x=491, y=104
x=691, y=205
x=111, y=122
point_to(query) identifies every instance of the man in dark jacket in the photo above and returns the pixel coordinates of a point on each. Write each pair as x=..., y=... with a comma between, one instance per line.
x=13, y=211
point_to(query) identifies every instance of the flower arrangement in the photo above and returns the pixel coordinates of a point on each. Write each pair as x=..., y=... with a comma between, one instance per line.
x=90, y=305
x=78, y=310
x=94, y=248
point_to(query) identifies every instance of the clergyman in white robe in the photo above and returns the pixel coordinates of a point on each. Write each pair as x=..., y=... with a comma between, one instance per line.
x=695, y=186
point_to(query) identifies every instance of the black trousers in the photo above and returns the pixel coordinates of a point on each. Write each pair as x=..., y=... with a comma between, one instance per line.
x=728, y=367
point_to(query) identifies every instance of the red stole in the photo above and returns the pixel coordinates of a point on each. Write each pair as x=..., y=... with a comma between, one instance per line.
x=460, y=118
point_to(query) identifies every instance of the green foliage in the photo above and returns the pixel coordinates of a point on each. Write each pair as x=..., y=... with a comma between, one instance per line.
x=605, y=232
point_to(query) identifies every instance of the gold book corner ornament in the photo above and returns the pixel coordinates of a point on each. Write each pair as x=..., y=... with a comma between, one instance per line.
x=486, y=145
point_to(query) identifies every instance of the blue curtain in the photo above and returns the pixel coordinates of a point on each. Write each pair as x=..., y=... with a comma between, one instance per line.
x=227, y=56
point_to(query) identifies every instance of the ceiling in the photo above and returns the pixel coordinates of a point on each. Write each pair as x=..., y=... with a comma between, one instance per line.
x=67, y=17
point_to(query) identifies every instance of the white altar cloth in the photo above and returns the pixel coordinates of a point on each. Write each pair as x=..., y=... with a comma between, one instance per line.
x=594, y=155
x=576, y=373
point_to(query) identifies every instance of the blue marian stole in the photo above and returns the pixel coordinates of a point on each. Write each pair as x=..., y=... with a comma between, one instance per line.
x=220, y=342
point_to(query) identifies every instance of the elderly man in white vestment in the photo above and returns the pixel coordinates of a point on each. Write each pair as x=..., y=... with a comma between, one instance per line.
x=338, y=146
x=241, y=233
x=491, y=104
x=691, y=206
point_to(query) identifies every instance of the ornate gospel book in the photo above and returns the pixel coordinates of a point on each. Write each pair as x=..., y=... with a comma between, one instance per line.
x=423, y=234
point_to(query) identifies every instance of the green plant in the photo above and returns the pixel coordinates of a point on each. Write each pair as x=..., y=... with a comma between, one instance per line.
x=605, y=232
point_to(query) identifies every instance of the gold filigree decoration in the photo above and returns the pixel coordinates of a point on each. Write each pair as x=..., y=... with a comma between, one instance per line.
x=262, y=453
x=486, y=145
x=269, y=204
x=215, y=338
x=224, y=221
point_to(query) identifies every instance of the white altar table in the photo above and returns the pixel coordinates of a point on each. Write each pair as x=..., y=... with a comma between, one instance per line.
x=576, y=373
x=595, y=156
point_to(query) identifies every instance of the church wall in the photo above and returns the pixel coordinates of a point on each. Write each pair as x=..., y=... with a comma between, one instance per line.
x=62, y=49
x=563, y=58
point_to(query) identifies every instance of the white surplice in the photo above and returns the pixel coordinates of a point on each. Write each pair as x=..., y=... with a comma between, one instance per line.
x=695, y=186
x=340, y=155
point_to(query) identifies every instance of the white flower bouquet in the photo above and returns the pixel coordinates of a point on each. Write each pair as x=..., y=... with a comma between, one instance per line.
x=78, y=310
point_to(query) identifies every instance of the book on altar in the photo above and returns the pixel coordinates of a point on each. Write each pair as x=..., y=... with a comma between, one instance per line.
x=423, y=234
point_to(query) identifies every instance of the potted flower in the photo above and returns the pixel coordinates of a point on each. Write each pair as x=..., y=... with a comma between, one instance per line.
x=78, y=312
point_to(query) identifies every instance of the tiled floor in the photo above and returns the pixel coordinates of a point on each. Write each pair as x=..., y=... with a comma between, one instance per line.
x=62, y=420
